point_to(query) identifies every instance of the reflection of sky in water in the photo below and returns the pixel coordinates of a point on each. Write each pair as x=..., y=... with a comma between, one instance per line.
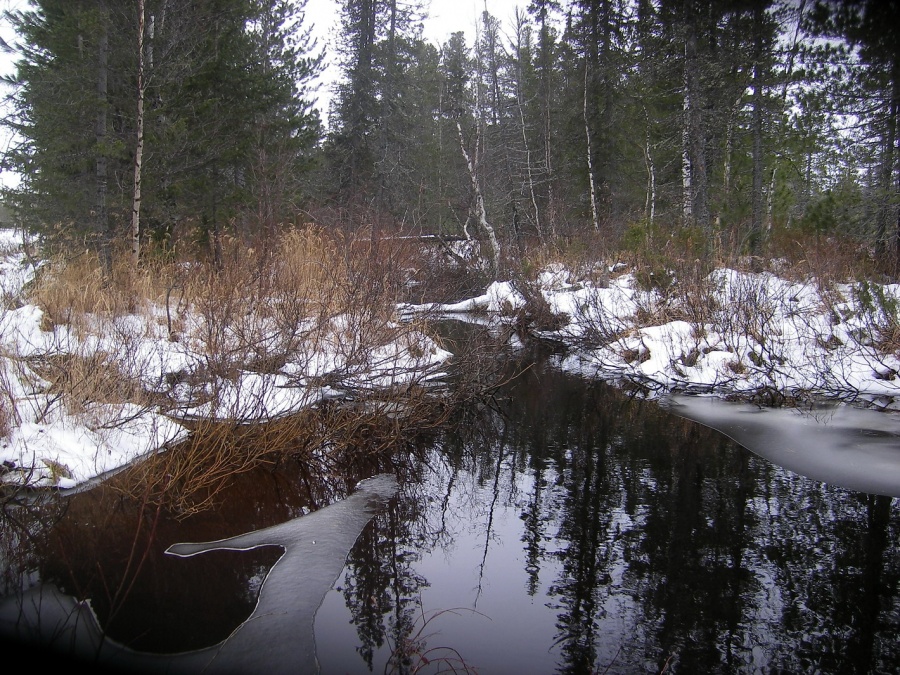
x=590, y=533
x=481, y=575
x=840, y=445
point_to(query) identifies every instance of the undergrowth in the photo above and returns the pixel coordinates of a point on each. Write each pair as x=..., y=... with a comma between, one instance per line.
x=744, y=302
x=313, y=311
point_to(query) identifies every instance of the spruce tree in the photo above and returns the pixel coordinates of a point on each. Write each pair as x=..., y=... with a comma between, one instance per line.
x=212, y=92
x=871, y=91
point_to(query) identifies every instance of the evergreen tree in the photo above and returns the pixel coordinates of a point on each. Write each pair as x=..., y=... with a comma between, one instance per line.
x=547, y=110
x=871, y=90
x=370, y=144
x=204, y=88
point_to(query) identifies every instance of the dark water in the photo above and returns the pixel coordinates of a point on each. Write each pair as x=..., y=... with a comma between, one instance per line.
x=567, y=528
x=558, y=526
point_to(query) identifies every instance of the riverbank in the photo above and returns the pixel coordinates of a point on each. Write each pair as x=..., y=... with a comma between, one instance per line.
x=91, y=382
x=748, y=335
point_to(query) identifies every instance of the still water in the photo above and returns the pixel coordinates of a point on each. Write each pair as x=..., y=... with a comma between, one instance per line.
x=556, y=526
x=569, y=528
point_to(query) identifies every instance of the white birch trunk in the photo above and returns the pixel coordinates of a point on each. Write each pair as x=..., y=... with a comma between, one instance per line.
x=686, y=186
x=528, y=167
x=480, y=211
x=590, y=162
x=139, y=149
x=770, y=202
x=650, y=205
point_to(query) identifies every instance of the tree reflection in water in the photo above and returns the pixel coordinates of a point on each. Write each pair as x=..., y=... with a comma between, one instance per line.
x=572, y=528
x=598, y=533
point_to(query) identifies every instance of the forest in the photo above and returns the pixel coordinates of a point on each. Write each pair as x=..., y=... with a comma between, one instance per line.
x=529, y=281
x=722, y=128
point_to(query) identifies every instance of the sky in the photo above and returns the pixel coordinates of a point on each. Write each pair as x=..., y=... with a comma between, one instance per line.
x=6, y=60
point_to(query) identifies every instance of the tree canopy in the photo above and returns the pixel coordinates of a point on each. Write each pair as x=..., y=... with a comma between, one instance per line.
x=727, y=120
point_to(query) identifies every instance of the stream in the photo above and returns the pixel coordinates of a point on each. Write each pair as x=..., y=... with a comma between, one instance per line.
x=559, y=525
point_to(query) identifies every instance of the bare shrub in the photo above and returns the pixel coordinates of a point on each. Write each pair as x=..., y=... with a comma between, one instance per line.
x=749, y=322
x=187, y=477
x=411, y=653
x=879, y=314
x=313, y=315
x=829, y=259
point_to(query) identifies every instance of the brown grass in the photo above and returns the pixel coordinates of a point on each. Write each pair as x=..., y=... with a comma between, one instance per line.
x=255, y=310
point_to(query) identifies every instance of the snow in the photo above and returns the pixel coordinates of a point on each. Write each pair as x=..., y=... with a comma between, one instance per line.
x=749, y=332
x=51, y=441
x=736, y=332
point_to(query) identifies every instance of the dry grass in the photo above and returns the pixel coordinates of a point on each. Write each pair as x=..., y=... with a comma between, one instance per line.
x=72, y=287
x=829, y=259
x=307, y=293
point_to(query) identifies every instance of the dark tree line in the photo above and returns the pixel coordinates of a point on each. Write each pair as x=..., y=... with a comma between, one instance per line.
x=730, y=118
x=194, y=114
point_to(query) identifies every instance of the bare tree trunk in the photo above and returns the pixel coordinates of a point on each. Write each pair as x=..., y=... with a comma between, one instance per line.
x=756, y=197
x=754, y=236
x=546, y=98
x=696, y=135
x=480, y=211
x=530, y=173
x=784, y=93
x=770, y=204
x=529, y=169
x=139, y=149
x=897, y=237
x=548, y=163
x=729, y=153
x=590, y=160
x=891, y=170
x=102, y=168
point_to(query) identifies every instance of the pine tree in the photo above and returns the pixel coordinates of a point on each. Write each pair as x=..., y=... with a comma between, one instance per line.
x=137, y=117
x=370, y=145
x=872, y=93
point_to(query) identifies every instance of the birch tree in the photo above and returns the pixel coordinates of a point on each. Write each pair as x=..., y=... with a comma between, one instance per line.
x=462, y=103
x=139, y=142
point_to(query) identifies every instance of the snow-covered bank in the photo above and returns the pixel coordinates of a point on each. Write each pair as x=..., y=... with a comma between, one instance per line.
x=82, y=398
x=733, y=333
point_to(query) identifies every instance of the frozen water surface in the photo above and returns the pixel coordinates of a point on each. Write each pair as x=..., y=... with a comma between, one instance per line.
x=315, y=549
x=840, y=445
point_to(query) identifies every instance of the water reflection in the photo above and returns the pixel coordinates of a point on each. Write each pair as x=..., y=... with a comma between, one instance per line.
x=563, y=526
x=579, y=531
x=103, y=546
